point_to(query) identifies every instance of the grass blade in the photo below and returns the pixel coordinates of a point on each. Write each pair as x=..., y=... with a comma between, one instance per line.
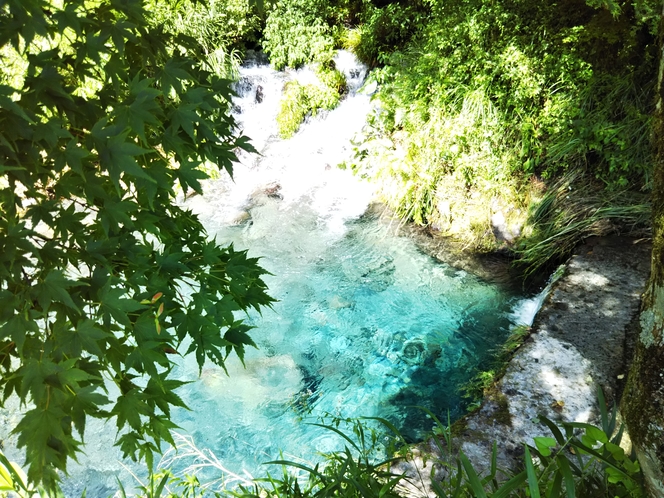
x=556, y=488
x=618, y=437
x=289, y=463
x=459, y=478
x=122, y=492
x=389, y=425
x=340, y=433
x=554, y=430
x=438, y=489
x=602, y=410
x=162, y=485
x=570, y=487
x=512, y=485
x=445, y=429
x=494, y=458
x=533, y=485
x=473, y=478
x=600, y=458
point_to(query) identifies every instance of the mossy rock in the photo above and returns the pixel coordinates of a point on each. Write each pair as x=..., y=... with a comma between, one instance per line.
x=301, y=100
x=294, y=108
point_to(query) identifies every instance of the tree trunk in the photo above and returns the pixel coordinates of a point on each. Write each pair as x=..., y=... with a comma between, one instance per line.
x=643, y=402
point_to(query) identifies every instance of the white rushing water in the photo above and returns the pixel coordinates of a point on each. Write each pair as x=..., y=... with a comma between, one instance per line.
x=365, y=324
x=291, y=170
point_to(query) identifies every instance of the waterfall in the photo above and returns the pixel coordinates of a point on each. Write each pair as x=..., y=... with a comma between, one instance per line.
x=301, y=167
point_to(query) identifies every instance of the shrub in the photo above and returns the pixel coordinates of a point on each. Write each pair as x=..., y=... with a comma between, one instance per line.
x=296, y=33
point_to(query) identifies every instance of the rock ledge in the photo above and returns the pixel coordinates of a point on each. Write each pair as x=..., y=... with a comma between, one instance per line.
x=580, y=341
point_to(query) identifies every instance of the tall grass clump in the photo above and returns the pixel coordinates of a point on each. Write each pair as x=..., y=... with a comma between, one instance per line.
x=572, y=210
x=609, y=133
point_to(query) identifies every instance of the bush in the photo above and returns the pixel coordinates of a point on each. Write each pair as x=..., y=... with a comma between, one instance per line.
x=296, y=33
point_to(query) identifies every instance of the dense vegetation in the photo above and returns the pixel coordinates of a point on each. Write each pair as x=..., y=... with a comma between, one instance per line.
x=493, y=101
x=484, y=108
x=103, y=276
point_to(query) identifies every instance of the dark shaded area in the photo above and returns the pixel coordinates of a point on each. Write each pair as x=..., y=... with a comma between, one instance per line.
x=439, y=388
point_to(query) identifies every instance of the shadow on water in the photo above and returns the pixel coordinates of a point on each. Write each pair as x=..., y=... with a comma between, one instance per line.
x=435, y=383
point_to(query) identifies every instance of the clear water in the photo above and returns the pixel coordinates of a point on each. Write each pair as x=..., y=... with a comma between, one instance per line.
x=365, y=324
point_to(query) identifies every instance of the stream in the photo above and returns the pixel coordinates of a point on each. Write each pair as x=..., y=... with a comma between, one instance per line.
x=365, y=324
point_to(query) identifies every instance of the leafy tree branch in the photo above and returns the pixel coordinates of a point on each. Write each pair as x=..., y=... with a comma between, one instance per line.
x=102, y=275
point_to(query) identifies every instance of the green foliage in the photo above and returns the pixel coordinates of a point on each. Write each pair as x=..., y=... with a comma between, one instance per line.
x=387, y=29
x=293, y=109
x=587, y=460
x=102, y=274
x=220, y=28
x=301, y=100
x=360, y=469
x=611, y=127
x=355, y=471
x=488, y=94
x=301, y=31
x=214, y=24
x=296, y=33
x=164, y=484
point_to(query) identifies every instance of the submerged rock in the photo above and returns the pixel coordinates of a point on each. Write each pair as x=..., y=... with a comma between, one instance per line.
x=337, y=302
x=414, y=352
x=277, y=378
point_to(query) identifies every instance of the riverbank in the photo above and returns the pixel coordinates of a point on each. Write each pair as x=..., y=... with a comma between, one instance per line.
x=581, y=339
